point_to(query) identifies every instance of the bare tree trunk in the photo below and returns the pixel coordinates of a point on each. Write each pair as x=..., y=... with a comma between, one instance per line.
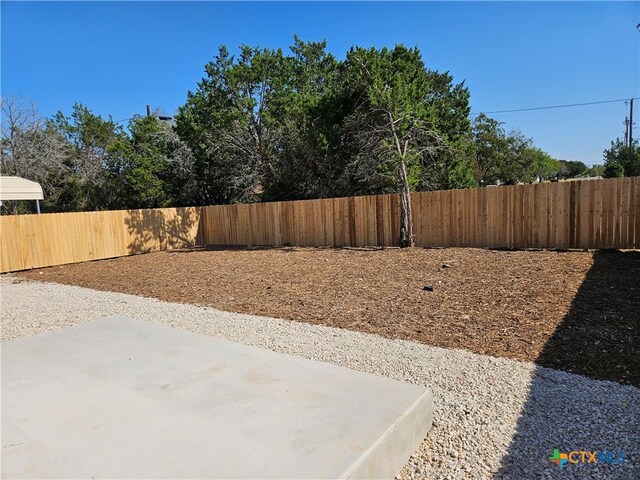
x=406, y=217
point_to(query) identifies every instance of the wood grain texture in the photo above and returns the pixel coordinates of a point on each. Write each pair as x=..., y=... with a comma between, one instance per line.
x=566, y=215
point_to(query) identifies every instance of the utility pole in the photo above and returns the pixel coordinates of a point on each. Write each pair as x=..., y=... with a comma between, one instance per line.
x=626, y=131
x=630, y=141
x=630, y=144
x=149, y=110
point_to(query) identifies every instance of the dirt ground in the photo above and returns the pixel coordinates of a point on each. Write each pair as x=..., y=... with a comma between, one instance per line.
x=575, y=311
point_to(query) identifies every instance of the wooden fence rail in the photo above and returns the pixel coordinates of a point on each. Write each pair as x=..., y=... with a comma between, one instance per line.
x=580, y=214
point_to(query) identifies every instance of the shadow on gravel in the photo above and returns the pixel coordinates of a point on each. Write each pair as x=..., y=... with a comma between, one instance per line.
x=599, y=338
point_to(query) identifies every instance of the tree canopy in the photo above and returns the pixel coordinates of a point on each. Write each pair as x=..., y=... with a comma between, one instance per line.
x=621, y=159
x=268, y=124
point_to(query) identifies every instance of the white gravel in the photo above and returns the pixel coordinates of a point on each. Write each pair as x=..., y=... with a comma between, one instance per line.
x=494, y=418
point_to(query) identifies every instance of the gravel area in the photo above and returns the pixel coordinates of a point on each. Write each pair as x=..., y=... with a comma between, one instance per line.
x=494, y=417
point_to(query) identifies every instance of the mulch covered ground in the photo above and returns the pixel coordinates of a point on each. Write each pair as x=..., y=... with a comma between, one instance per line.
x=576, y=311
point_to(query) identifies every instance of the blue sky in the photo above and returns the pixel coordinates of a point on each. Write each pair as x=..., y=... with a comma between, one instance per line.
x=117, y=57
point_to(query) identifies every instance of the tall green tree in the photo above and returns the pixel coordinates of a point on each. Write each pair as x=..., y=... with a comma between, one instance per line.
x=571, y=168
x=491, y=148
x=228, y=125
x=86, y=162
x=621, y=159
x=596, y=170
x=507, y=158
x=270, y=126
x=304, y=164
x=518, y=164
x=452, y=168
x=544, y=166
x=265, y=125
x=396, y=125
x=613, y=170
x=90, y=140
x=151, y=167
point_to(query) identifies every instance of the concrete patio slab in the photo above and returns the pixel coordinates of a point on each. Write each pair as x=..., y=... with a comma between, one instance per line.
x=121, y=398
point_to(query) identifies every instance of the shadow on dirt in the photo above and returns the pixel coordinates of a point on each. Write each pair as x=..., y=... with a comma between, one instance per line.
x=599, y=338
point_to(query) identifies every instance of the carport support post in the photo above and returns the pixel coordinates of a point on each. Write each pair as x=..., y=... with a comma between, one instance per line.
x=38, y=206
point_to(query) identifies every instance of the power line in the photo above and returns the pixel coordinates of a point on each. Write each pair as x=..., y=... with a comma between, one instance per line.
x=123, y=120
x=159, y=117
x=555, y=106
x=548, y=107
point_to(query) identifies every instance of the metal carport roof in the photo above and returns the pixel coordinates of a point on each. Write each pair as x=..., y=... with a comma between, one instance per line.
x=17, y=188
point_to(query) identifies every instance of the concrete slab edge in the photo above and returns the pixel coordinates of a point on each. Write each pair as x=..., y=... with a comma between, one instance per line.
x=390, y=452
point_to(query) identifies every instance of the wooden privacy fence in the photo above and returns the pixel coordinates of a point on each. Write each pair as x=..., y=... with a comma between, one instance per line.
x=580, y=214
x=31, y=241
x=576, y=214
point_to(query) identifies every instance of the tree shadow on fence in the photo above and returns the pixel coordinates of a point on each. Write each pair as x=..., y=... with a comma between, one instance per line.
x=598, y=338
x=163, y=229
